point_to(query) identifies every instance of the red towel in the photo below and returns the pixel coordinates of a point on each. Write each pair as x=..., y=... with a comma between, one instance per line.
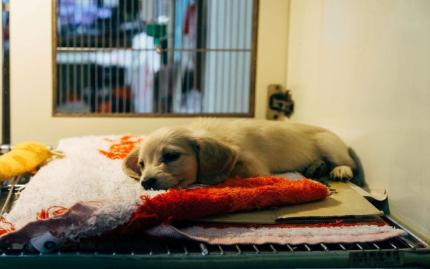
x=231, y=196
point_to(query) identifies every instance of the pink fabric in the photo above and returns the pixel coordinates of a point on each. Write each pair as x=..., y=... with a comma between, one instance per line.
x=74, y=220
x=279, y=235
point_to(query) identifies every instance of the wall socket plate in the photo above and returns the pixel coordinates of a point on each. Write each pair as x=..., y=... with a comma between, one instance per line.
x=279, y=102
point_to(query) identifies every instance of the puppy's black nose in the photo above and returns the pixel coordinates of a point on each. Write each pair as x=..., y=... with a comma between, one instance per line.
x=149, y=183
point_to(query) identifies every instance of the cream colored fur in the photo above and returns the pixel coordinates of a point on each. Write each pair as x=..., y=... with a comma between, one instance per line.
x=209, y=150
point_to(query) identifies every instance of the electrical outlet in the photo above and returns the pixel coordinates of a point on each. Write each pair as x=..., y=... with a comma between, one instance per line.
x=279, y=102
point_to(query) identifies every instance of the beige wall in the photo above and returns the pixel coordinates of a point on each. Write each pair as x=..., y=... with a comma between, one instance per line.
x=31, y=75
x=362, y=68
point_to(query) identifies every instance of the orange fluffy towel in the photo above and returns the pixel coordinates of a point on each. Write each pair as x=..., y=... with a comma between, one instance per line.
x=231, y=196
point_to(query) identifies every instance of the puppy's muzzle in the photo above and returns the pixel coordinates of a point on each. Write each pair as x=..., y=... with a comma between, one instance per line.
x=150, y=183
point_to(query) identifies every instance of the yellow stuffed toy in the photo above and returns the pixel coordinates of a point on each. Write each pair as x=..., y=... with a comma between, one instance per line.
x=24, y=157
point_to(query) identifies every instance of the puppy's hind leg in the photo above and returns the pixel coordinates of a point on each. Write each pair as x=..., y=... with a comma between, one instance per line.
x=317, y=169
x=335, y=151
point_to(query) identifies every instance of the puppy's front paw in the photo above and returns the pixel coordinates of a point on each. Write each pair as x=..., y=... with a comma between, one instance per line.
x=342, y=172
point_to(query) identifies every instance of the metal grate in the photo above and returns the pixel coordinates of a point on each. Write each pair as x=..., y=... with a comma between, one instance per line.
x=155, y=57
x=397, y=252
x=160, y=247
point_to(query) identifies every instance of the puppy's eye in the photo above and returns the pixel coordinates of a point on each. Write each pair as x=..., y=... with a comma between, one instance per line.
x=141, y=164
x=170, y=157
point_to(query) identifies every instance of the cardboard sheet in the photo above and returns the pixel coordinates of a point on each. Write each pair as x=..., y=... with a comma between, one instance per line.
x=346, y=202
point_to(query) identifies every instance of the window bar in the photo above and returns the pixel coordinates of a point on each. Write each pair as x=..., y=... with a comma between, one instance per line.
x=183, y=79
x=117, y=57
x=162, y=90
x=245, y=87
x=156, y=87
x=89, y=75
x=67, y=65
x=100, y=95
x=95, y=84
x=96, y=81
x=213, y=68
x=5, y=91
x=248, y=53
x=237, y=56
x=224, y=74
x=86, y=97
x=136, y=79
x=245, y=31
x=188, y=74
x=128, y=56
x=139, y=77
x=166, y=79
x=222, y=90
x=72, y=49
x=249, y=6
x=59, y=84
x=230, y=89
x=169, y=42
x=195, y=79
x=154, y=107
x=82, y=66
x=237, y=90
x=205, y=85
x=201, y=56
x=133, y=69
x=121, y=59
x=75, y=70
x=111, y=83
x=240, y=61
x=217, y=59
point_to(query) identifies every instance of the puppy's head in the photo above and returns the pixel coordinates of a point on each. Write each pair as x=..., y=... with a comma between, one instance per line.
x=175, y=157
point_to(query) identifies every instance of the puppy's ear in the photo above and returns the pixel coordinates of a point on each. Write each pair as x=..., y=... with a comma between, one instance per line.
x=216, y=160
x=130, y=165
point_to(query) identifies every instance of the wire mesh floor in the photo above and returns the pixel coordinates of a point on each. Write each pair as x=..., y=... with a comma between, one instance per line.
x=166, y=247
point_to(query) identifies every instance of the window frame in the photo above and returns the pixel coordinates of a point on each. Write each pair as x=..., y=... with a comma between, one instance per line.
x=252, y=83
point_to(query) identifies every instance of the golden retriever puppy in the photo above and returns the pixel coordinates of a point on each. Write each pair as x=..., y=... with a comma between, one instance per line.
x=208, y=151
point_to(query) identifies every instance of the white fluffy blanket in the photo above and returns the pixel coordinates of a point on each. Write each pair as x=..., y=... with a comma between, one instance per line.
x=85, y=176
